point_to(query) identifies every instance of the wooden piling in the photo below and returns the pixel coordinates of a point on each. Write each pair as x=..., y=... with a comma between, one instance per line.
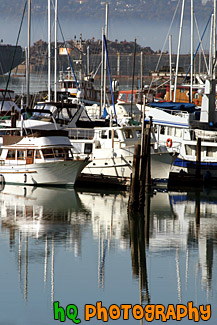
x=198, y=159
x=197, y=208
x=134, y=187
x=148, y=160
x=143, y=173
x=13, y=120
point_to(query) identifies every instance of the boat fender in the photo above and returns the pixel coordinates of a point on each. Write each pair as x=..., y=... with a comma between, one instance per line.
x=169, y=143
x=2, y=182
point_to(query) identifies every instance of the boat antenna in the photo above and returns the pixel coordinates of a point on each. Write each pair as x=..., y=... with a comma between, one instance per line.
x=107, y=58
x=12, y=63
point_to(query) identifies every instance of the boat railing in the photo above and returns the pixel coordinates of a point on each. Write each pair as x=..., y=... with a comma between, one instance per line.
x=176, y=112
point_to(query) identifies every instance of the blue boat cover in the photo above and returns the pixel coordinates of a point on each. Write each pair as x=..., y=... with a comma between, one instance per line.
x=190, y=108
x=105, y=113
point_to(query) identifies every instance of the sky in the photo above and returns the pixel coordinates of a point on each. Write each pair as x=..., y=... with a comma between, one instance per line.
x=154, y=35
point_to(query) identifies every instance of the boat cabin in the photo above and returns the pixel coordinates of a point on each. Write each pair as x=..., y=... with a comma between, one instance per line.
x=125, y=96
x=18, y=150
x=183, y=95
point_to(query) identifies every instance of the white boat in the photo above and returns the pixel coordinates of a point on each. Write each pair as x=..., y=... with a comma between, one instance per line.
x=111, y=150
x=88, y=93
x=180, y=129
x=39, y=160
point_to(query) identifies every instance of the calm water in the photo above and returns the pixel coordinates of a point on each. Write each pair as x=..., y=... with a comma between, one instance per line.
x=79, y=248
x=38, y=82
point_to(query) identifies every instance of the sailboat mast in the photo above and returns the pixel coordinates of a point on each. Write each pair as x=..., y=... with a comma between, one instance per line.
x=211, y=47
x=49, y=52
x=178, y=50
x=192, y=49
x=55, y=55
x=102, y=79
x=170, y=58
x=214, y=38
x=28, y=55
x=105, y=65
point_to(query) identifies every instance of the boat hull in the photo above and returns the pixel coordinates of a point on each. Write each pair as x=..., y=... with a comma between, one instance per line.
x=188, y=167
x=58, y=173
x=119, y=164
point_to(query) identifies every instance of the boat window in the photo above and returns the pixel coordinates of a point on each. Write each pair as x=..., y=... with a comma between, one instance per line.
x=178, y=132
x=43, y=113
x=48, y=153
x=115, y=134
x=37, y=154
x=122, y=97
x=128, y=134
x=88, y=148
x=162, y=130
x=11, y=154
x=169, y=131
x=190, y=150
x=64, y=114
x=30, y=153
x=60, y=153
x=203, y=151
x=211, y=152
x=129, y=98
x=70, y=153
x=20, y=154
x=103, y=135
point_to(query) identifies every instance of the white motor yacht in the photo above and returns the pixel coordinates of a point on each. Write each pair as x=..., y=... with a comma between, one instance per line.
x=111, y=150
x=39, y=160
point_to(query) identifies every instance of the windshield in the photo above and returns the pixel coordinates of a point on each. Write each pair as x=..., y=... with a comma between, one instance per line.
x=43, y=111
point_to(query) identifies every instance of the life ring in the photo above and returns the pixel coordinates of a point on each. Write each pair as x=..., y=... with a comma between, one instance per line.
x=169, y=143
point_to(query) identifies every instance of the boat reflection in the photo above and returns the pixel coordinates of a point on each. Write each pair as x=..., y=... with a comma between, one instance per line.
x=197, y=212
x=182, y=226
x=50, y=215
x=178, y=228
x=109, y=224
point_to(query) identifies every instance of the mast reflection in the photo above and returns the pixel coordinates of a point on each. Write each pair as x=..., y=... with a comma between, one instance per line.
x=48, y=215
x=182, y=226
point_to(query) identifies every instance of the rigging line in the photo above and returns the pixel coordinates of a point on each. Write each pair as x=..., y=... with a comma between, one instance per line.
x=18, y=36
x=164, y=43
x=204, y=56
x=199, y=44
x=70, y=62
x=167, y=36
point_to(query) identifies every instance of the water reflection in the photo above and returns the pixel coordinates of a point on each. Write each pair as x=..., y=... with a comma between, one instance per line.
x=51, y=215
x=109, y=224
x=165, y=255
